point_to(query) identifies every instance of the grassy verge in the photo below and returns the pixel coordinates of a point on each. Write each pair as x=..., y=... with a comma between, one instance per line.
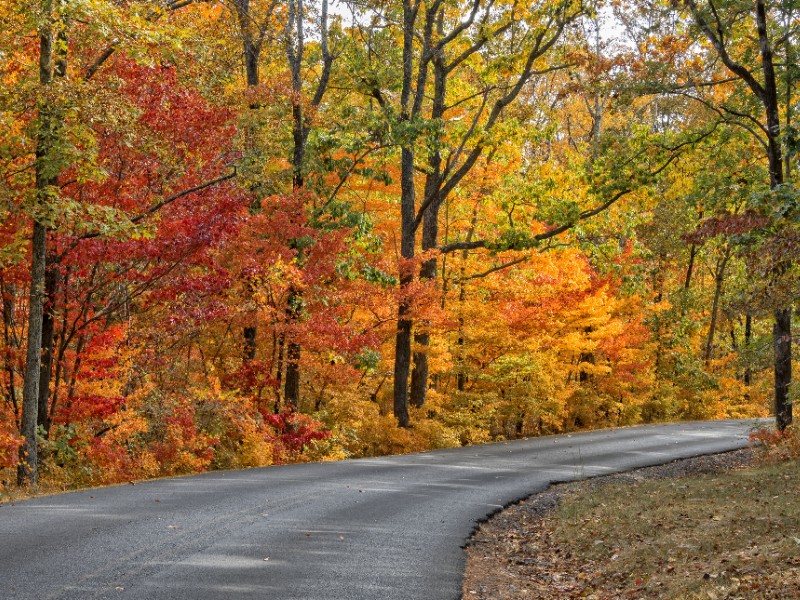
x=729, y=535
x=12, y=493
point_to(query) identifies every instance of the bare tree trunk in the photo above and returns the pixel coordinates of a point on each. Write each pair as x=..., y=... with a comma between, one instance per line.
x=295, y=50
x=291, y=393
x=402, y=355
x=28, y=470
x=252, y=33
x=52, y=273
x=249, y=333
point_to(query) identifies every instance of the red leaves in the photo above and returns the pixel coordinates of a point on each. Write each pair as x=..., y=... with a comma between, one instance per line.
x=90, y=406
x=726, y=224
x=295, y=431
x=251, y=375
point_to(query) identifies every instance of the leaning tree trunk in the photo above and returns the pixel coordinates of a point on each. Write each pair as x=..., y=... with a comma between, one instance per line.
x=719, y=281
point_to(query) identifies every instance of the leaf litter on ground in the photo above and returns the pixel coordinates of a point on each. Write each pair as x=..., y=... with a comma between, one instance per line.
x=708, y=527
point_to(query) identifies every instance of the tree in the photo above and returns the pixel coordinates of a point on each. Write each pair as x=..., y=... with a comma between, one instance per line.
x=736, y=36
x=441, y=41
x=62, y=145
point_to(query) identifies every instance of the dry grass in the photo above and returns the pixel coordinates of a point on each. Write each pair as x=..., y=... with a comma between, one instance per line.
x=12, y=493
x=729, y=535
x=673, y=531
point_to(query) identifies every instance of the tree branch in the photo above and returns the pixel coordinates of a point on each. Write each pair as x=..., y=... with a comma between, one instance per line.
x=719, y=45
x=159, y=205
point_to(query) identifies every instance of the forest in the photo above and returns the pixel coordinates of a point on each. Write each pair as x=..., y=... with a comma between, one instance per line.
x=248, y=232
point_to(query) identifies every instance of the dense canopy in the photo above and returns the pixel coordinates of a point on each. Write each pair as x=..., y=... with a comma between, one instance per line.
x=243, y=232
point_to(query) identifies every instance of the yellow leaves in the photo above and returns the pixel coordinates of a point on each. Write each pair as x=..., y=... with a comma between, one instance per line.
x=275, y=279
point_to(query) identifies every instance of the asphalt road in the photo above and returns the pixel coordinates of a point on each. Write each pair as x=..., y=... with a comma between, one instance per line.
x=384, y=528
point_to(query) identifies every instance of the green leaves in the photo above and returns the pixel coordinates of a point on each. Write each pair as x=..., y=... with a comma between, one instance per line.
x=512, y=239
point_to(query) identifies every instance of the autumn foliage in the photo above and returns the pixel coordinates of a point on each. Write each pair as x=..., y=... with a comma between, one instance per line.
x=194, y=266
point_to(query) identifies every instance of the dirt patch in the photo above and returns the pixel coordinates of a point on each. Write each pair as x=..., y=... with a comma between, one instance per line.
x=520, y=554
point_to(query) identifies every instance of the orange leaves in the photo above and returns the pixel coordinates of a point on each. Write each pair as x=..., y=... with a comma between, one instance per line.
x=10, y=441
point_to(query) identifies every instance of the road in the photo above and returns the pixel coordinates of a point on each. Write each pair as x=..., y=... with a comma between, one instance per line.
x=384, y=528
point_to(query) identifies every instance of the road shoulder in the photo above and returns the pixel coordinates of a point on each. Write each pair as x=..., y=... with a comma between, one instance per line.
x=513, y=556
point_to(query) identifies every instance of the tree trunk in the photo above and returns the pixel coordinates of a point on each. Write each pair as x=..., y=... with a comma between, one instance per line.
x=782, y=329
x=748, y=336
x=301, y=128
x=430, y=224
x=402, y=363
x=687, y=282
x=719, y=280
x=251, y=54
x=782, y=336
x=420, y=373
x=461, y=376
x=402, y=357
x=291, y=391
x=249, y=334
x=251, y=46
x=7, y=293
x=28, y=469
x=292, y=387
x=48, y=329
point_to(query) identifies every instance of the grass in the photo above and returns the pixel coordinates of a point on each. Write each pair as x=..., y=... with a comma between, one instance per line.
x=12, y=493
x=729, y=535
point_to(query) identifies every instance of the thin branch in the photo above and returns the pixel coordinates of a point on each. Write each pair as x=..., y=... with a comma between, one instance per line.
x=719, y=45
x=112, y=47
x=494, y=269
x=159, y=205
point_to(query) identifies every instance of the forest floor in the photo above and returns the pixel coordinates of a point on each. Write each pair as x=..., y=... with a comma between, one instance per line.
x=718, y=526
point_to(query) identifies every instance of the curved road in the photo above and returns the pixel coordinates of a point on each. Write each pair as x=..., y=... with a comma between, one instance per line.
x=383, y=528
